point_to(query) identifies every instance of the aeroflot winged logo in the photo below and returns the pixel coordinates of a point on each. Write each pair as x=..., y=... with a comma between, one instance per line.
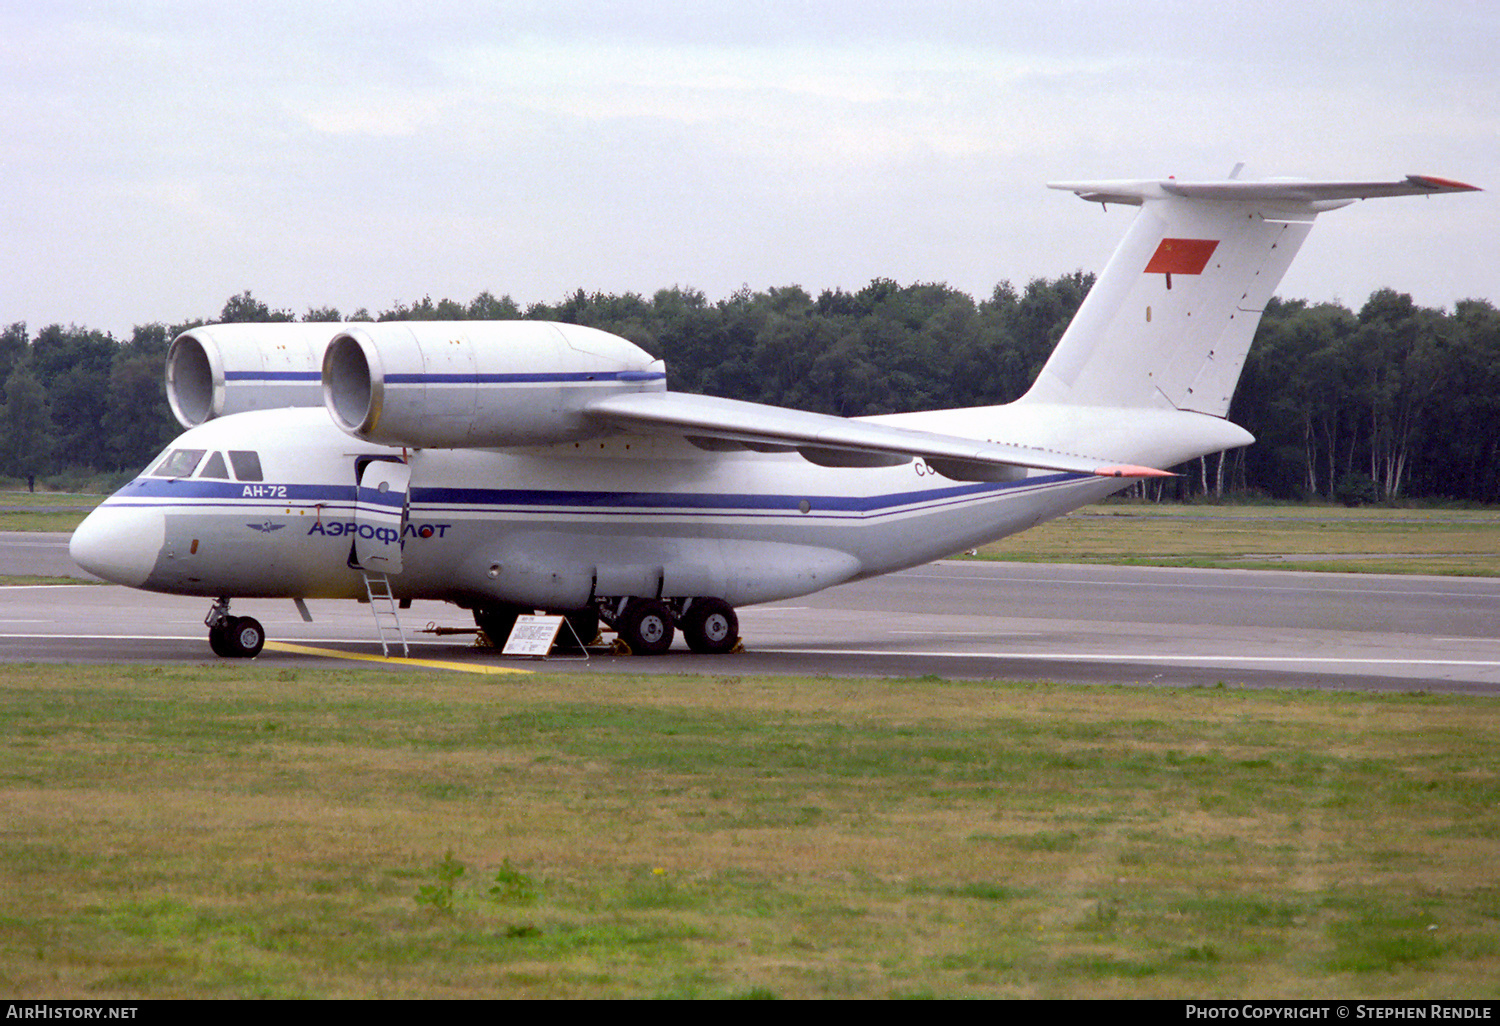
x=1181, y=256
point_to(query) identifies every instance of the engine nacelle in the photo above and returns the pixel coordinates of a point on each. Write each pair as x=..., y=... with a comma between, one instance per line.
x=481, y=384
x=220, y=369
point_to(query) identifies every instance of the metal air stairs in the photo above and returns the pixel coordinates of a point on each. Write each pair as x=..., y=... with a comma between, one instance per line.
x=383, y=606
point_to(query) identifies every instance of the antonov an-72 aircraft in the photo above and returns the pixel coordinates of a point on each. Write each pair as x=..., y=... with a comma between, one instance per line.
x=515, y=466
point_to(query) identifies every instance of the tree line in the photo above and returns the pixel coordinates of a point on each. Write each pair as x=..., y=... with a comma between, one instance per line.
x=1389, y=402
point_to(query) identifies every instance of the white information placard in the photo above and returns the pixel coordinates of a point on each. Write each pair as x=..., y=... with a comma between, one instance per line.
x=532, y=636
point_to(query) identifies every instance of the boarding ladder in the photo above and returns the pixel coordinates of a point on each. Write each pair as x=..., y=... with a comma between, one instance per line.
x=383, y=606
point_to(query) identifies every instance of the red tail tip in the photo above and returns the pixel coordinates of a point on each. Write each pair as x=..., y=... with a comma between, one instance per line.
x=1127, y=470
x=1447, y=184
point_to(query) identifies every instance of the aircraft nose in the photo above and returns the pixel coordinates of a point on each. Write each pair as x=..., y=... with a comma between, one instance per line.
x=119, y=543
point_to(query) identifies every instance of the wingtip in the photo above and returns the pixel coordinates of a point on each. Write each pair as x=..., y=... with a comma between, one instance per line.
x=1128, y=470
x=1443, y=184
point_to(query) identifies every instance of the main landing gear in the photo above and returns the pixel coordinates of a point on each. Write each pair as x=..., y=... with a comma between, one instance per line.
x=709, y=625
x=233, y=637
x=498, y=621
x=647, y=626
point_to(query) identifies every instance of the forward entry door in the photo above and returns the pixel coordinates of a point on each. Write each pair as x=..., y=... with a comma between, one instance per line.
x=380, y=516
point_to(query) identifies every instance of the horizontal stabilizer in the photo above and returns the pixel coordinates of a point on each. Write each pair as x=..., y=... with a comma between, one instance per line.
x=1169, y=321
x=1136, y=191
x=721, y=424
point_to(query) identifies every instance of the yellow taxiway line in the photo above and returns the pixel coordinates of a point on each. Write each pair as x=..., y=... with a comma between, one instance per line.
x=434, y=664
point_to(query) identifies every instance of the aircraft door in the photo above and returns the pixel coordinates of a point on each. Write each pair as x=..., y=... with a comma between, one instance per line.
x=380, y=516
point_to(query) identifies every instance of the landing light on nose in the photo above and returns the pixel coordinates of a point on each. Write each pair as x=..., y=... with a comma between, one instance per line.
x=119, y=543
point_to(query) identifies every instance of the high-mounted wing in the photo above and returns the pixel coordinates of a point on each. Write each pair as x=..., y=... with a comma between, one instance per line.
x=726, y=424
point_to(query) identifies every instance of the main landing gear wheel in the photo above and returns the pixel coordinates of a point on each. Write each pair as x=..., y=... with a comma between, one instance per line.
x=646, y=626
x=584, y=624
x=710, y=626
x=497, y=622
x=237, y=637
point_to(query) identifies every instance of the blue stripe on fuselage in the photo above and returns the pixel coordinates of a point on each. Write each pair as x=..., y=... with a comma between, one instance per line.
x=254, y=491
x=375, y=497
x=637, y=503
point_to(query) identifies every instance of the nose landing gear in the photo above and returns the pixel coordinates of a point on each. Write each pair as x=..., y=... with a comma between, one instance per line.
x=233, y=637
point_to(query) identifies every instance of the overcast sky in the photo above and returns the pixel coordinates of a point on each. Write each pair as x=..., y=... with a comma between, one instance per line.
x=160, y=157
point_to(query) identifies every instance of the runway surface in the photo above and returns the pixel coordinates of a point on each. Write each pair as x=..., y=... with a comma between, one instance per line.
x=958, y=619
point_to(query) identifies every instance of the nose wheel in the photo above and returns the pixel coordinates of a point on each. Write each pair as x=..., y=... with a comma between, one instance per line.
x=233, y=637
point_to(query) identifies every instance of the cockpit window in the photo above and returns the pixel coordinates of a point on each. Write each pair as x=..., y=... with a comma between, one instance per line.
x=179, y=463
x=246, y=465
x=215, y=466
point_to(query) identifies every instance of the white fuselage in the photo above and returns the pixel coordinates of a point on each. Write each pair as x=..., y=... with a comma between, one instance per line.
x=552, y=527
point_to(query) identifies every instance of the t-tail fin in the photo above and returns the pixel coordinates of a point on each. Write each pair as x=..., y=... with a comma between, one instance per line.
x=1169, y=321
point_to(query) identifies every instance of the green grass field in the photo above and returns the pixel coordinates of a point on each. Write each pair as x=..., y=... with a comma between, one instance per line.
x=232, y=830
x=1327, y=538
x=44, y=511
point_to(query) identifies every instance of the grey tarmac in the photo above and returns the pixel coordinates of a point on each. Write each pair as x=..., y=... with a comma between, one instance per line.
x=950, y=619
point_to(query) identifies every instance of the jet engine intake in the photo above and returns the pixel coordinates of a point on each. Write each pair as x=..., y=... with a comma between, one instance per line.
x=480, y=384
x=220, y=369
